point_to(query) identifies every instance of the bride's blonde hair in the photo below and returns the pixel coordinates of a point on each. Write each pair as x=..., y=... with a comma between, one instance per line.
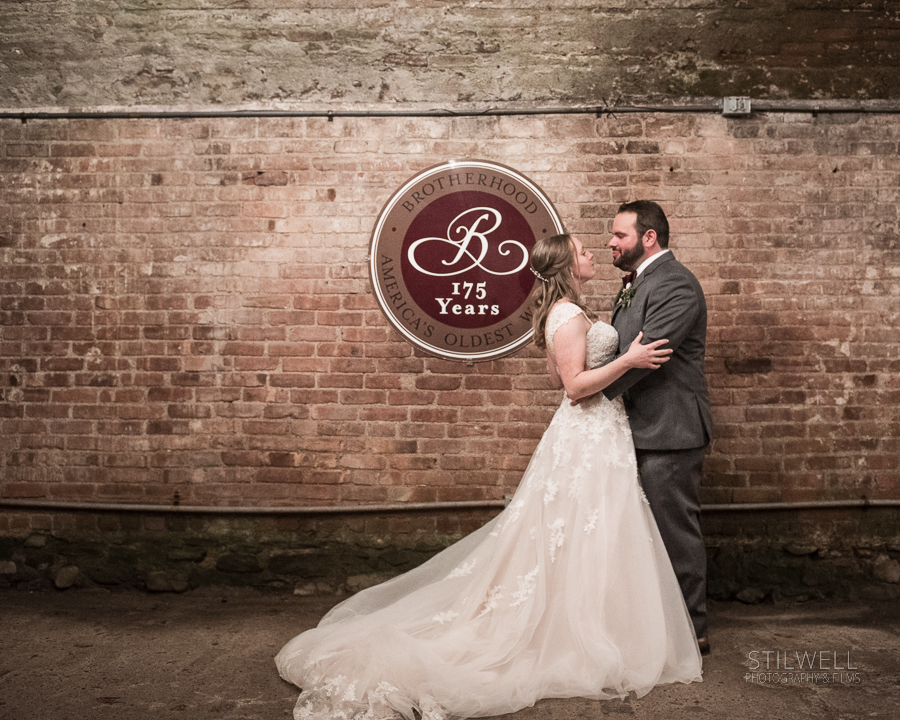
x=552, y=261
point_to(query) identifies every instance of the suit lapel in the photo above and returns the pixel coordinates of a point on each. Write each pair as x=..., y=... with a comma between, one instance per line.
x=656, y=265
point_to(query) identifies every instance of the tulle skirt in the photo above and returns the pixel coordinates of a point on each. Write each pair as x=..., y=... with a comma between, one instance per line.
x=566, y=593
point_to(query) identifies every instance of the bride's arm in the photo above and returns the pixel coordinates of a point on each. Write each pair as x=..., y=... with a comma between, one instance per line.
x=553, y=371
x=571, y=353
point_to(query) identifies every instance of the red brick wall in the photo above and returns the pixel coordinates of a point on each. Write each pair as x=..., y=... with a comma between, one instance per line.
x=185, y=305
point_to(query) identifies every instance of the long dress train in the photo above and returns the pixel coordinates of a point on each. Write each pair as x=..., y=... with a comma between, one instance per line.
x=566, y=593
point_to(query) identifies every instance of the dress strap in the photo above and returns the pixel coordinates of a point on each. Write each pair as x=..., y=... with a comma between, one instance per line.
x=559, y=316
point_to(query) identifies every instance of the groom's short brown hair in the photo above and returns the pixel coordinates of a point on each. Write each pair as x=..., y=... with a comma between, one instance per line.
x=650, y=216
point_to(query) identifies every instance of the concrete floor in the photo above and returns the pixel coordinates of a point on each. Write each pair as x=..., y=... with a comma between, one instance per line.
x=94, y=654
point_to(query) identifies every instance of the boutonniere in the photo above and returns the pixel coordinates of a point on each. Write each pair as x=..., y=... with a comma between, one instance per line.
x=623, y=299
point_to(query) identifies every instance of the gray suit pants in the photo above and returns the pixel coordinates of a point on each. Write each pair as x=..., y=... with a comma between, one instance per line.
x=671, y=481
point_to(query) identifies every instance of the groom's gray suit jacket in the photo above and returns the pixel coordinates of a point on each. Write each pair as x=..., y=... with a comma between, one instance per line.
x=668, y=408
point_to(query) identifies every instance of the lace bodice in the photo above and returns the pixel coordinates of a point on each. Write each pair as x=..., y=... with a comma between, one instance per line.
x=602, y=338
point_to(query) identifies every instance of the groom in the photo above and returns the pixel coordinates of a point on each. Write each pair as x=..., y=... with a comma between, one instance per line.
x=668, y=408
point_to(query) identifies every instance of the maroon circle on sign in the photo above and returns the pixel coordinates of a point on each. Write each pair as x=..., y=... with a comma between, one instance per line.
x=449, y=258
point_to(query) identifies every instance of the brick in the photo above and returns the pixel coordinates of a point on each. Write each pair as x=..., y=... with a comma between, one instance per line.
x=400, y=397
x=189, y=411
x=362, y=397
x=335, y=412
x=434, y=415
x=341, y=380
x=167, y=427
x=24, y=490
x=438, y=382
x=249, y=459
x=487, y=382
x=292, y=380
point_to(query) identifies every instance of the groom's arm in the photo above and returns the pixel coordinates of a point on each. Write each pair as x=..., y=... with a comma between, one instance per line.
x=672, y=310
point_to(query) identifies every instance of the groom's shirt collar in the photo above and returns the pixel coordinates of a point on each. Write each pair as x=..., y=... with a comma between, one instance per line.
x=653, y=258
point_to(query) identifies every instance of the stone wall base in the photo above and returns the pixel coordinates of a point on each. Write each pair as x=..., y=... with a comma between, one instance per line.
x=753, y=556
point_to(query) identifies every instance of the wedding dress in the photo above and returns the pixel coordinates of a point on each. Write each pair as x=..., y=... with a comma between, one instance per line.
x=566, y=593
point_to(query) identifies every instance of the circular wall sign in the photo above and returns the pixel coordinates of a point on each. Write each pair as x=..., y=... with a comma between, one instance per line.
x=449, y=258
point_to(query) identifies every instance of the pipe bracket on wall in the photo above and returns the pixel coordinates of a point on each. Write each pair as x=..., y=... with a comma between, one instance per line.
x=735, y=106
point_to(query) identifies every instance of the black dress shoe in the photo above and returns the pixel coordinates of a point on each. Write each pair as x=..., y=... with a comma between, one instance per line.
x=703, y=644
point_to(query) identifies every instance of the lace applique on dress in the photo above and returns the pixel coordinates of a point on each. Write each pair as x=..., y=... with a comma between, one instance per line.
x=550, y=489
x=431, y=710
x=580, y=475
x=557, y=537
x=462, y=570
x=378, y=702
x=562, y=453
x=494, y=596
x=527, y=584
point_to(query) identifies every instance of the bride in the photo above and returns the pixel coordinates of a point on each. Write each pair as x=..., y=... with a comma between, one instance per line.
x=566, y=593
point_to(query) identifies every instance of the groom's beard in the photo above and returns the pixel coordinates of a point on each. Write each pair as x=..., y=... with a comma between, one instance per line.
x=628, y=260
